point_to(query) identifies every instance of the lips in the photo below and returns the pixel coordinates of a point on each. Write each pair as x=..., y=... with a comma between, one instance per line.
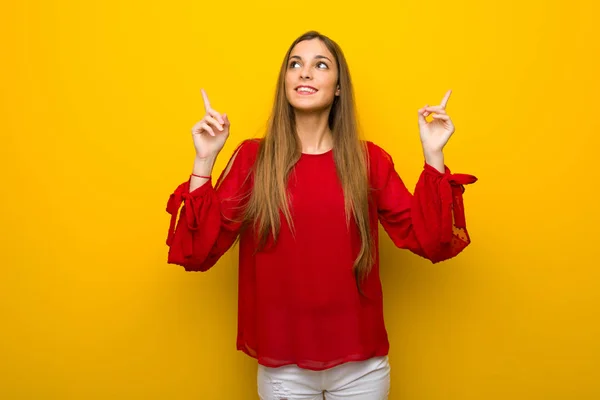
x=306, y=89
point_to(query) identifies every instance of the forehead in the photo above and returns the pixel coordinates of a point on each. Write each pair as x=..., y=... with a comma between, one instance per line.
x=308, y=49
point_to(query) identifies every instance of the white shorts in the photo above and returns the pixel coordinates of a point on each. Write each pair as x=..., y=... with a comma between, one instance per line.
x=357, y=380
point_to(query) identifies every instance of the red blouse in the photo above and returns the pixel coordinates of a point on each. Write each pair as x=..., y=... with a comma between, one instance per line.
x=298, y=301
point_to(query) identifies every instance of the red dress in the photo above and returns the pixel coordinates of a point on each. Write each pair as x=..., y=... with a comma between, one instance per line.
x=298, y=301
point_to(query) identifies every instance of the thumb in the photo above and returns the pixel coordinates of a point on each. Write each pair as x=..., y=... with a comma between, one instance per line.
x=226, y=120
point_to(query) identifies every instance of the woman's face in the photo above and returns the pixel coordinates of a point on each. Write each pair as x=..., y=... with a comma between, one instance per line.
x=311, y=76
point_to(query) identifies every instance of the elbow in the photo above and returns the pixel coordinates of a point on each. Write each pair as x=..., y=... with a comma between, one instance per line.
x=194, y=267
x=437, y=259
x=446, y=252
x=190, y=264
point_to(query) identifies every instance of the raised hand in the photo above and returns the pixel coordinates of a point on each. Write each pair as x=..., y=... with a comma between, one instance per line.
x=211, y=132
x=436, y=133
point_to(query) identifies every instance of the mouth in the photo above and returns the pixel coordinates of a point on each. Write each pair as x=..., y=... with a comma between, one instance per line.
x=306, y=90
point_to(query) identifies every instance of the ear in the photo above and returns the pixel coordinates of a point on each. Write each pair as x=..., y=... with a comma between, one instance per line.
x=337, y=91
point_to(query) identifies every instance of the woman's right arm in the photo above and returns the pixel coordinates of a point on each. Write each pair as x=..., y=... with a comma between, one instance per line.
x=210, y=218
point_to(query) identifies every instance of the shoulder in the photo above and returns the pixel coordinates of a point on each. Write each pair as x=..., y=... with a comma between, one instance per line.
x=377, y=156
x=246, y=152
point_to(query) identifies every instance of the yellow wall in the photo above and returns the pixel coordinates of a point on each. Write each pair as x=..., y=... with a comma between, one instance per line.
x=97, y=103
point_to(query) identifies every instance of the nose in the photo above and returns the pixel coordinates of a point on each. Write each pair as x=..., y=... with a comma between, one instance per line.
x=306, y=73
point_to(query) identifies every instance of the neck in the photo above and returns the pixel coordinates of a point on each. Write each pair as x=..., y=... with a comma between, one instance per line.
x=313, y=131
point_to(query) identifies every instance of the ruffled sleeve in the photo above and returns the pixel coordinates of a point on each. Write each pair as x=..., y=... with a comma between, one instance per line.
x=210, y=218
x=430, y=223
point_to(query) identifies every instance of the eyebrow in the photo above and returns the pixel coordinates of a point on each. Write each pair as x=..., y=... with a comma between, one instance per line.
x=318, y=56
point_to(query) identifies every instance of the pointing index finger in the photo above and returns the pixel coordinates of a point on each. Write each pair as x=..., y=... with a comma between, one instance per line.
x=445, y=99
x=206, y=101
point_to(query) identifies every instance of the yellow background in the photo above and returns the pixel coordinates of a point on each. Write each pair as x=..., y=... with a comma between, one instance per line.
x=97, y=103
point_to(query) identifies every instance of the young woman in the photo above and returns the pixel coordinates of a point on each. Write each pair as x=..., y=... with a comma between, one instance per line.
x=305, y=202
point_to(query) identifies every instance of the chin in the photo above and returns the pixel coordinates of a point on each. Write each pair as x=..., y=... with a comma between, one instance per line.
x=310, y=105
x=307, y=109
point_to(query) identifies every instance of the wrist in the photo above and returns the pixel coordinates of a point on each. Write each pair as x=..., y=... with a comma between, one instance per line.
x=205, y=161
x=435, y=159
x=203, y=166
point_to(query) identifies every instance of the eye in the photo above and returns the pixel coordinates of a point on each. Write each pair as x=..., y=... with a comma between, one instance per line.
x=322, y=65
x=293, y=64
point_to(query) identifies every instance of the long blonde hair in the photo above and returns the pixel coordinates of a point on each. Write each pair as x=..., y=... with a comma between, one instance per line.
x=281, y=149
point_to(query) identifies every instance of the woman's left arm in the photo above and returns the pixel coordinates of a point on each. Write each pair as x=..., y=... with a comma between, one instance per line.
x=430, y=223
